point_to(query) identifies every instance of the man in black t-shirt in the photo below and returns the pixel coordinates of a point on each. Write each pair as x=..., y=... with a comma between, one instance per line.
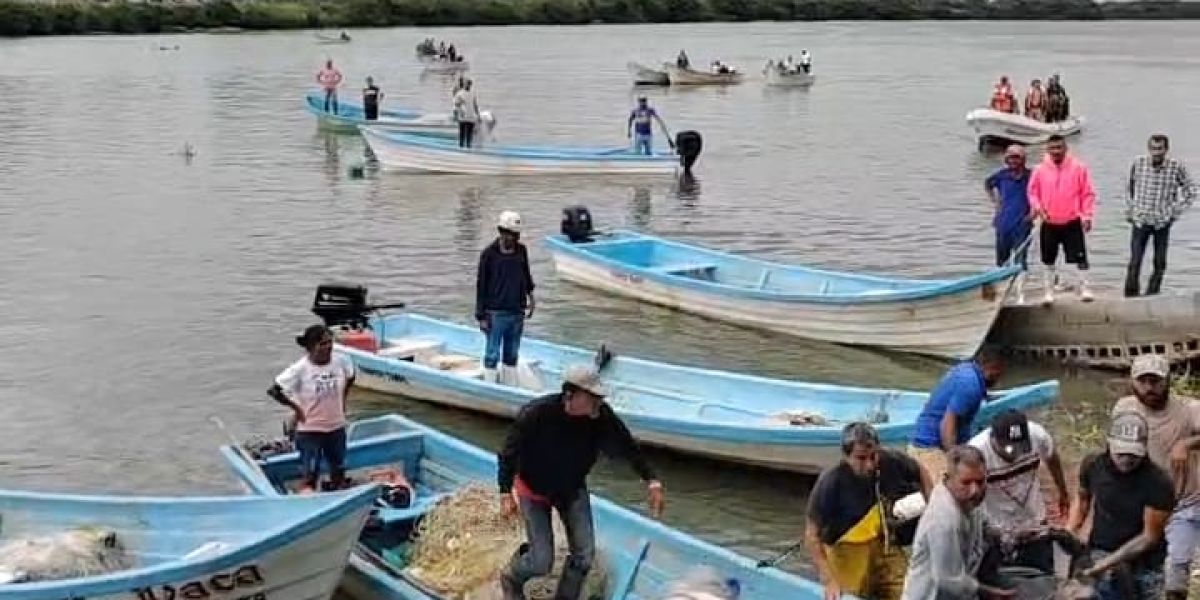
x=372, y=96
x=851, y=530
x=1131, y=499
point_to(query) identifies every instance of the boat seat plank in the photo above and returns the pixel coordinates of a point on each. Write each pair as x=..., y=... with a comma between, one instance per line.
x=673, y=268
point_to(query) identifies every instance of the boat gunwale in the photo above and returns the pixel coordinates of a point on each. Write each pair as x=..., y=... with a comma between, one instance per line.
x=565, y=153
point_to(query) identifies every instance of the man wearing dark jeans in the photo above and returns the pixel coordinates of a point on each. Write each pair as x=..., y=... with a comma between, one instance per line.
x=543, y=467
x=1160, y=190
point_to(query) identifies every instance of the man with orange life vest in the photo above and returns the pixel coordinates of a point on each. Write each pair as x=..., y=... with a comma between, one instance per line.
x=1002, y=96
x=1035, y=101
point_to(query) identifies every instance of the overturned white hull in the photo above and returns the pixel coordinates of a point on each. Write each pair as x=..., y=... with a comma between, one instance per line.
x=995, y=127
x=643, y=75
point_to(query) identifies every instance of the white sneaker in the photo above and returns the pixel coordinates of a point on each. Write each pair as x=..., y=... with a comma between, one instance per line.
x=489, y=375
x=1085, y=293
x=1048, y=299
x=1021, y=299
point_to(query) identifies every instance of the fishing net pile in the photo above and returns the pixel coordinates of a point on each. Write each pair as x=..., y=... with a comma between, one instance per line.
x=80, y=552
x=463, y=544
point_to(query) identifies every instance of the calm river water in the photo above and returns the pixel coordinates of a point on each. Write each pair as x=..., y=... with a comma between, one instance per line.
x=143, y=293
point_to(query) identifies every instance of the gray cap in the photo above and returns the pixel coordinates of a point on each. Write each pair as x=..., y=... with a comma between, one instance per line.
x=1128, y=433
x=1150, y=364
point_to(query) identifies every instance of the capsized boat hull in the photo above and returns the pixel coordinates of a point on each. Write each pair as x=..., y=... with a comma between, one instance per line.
x=943, y=318
x=293, y=548
x=413, y=153
x=643, y=75
x=716, y=414
x=994, y=127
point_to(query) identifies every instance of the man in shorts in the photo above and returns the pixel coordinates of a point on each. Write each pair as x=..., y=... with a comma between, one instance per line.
x=1062, y=196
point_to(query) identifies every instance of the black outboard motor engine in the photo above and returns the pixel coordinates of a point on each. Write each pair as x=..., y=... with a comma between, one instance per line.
x=577, y=224
x=688, y=144
x=343, y=305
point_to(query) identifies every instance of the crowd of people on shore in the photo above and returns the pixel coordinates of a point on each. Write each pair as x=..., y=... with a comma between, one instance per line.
x=1048, y=105
x=1058, y=198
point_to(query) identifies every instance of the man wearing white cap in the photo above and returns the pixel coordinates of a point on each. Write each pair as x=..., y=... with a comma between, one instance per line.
x=1130, y=499
x=503, y=297
x=543, y=467
x=1174, y=422
x=1008, y=189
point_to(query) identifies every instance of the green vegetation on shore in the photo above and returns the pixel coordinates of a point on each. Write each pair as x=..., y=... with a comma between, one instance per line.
x=20, y=17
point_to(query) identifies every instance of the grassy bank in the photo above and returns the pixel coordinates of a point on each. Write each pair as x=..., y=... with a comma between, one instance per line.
x=18, y=17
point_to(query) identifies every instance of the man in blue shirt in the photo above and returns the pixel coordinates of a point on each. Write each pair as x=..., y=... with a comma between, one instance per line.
x=641, y=127
x=947, y=417
x=1008, y=190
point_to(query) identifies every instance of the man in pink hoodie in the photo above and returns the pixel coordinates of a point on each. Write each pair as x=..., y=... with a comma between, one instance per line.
x=1061, y=195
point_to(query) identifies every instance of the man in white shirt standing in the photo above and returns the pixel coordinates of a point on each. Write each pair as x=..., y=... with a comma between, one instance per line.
x=1014, y=448
x=466, y=112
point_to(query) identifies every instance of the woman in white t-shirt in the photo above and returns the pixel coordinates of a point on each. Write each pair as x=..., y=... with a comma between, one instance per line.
x=315, y=388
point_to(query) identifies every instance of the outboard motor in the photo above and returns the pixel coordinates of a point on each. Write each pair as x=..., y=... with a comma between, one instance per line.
x=688, y=144
x=577, y=224
x=345, y=306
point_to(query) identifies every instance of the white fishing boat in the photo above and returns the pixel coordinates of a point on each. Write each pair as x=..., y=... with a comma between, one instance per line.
x=447, y=66
x=693, y=77
x=798, y=78
x=995, y=127
x=643, y=75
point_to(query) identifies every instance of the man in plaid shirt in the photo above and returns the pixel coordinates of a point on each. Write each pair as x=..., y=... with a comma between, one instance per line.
x=1160, y=189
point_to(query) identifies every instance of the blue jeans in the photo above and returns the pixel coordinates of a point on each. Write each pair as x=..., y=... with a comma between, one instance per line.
x=1008, y=241
x=1137, y=251
x=642, y=143
x=315, y=446
x=1183, y=536
x=331, y=97
x=1147, y=582
x=535, y=558
x=504, y=332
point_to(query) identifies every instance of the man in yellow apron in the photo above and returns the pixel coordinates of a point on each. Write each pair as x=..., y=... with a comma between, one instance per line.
x=853, y=534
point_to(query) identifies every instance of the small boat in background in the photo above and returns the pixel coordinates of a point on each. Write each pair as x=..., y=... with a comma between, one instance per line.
x=343, y=38
x=417, y=153
x=688, y=76
x=995, y=127
x=239, y=547
x=641, y=557
x=646, y=76
x=441, y=65
x=945, y=317
x=350, y=116
x=781, y=78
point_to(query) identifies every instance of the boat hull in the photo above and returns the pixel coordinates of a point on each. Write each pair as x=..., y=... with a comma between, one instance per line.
x=1105, y=333
x=952, y=325
x=445, y=66
x=307, y=565
x=800, y=79
x=646, y=76
x=405, y=153
x=690, y=77
x=994, y=127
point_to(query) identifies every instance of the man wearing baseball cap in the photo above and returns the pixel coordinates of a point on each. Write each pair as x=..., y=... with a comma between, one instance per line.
x=503, y=298
x=1130, y=499
x=543, y=467
x=1174, y=436
x=1014, y=448
x=1008, y=191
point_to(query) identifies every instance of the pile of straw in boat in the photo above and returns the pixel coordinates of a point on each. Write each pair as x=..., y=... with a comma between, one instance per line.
x=463, y=544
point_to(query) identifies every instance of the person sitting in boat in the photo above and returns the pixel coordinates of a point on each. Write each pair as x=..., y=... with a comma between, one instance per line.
x=543, y=468
x=1035, y=101
x=452, y=53
x=345, y=36
x=852, y=533
x=372, y=96
x=315, y=388
x=790, y=64
x=641, y=127
x=329, y=79
x=682, y=61
x=1002, y=96
x=806, y=61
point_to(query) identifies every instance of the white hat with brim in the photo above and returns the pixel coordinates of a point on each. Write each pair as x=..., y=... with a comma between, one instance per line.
x=587, y=379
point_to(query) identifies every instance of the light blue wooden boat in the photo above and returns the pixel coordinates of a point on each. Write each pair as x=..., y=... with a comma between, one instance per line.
x=231, y=548
x=947, y=318
x=402, y=151
x=718, y=414
x=642, y=556
x=350, y=117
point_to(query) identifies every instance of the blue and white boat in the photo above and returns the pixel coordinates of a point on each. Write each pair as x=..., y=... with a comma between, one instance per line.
x=232, y=548
x=727, y=416
x=350, y=116
x=408, y=152
x=642, y=557
x=947, y=318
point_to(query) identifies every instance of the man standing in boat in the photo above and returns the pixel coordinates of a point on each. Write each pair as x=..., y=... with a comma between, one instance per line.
x=852, y=532
x=315, y=388
x=1062, y=196
x=1160, y=190
x=503, y=298
x=1008, y=190
x=466, y=112
x=543, y=467
x=640, y=127
x=329, y=79
x=372, y=97
x=947, y=417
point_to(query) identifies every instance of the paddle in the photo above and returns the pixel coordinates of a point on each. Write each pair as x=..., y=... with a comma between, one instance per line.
x=782, y=556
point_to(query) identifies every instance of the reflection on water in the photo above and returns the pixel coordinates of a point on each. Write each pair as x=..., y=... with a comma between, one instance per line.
x=687, y=190
x=640, y=207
